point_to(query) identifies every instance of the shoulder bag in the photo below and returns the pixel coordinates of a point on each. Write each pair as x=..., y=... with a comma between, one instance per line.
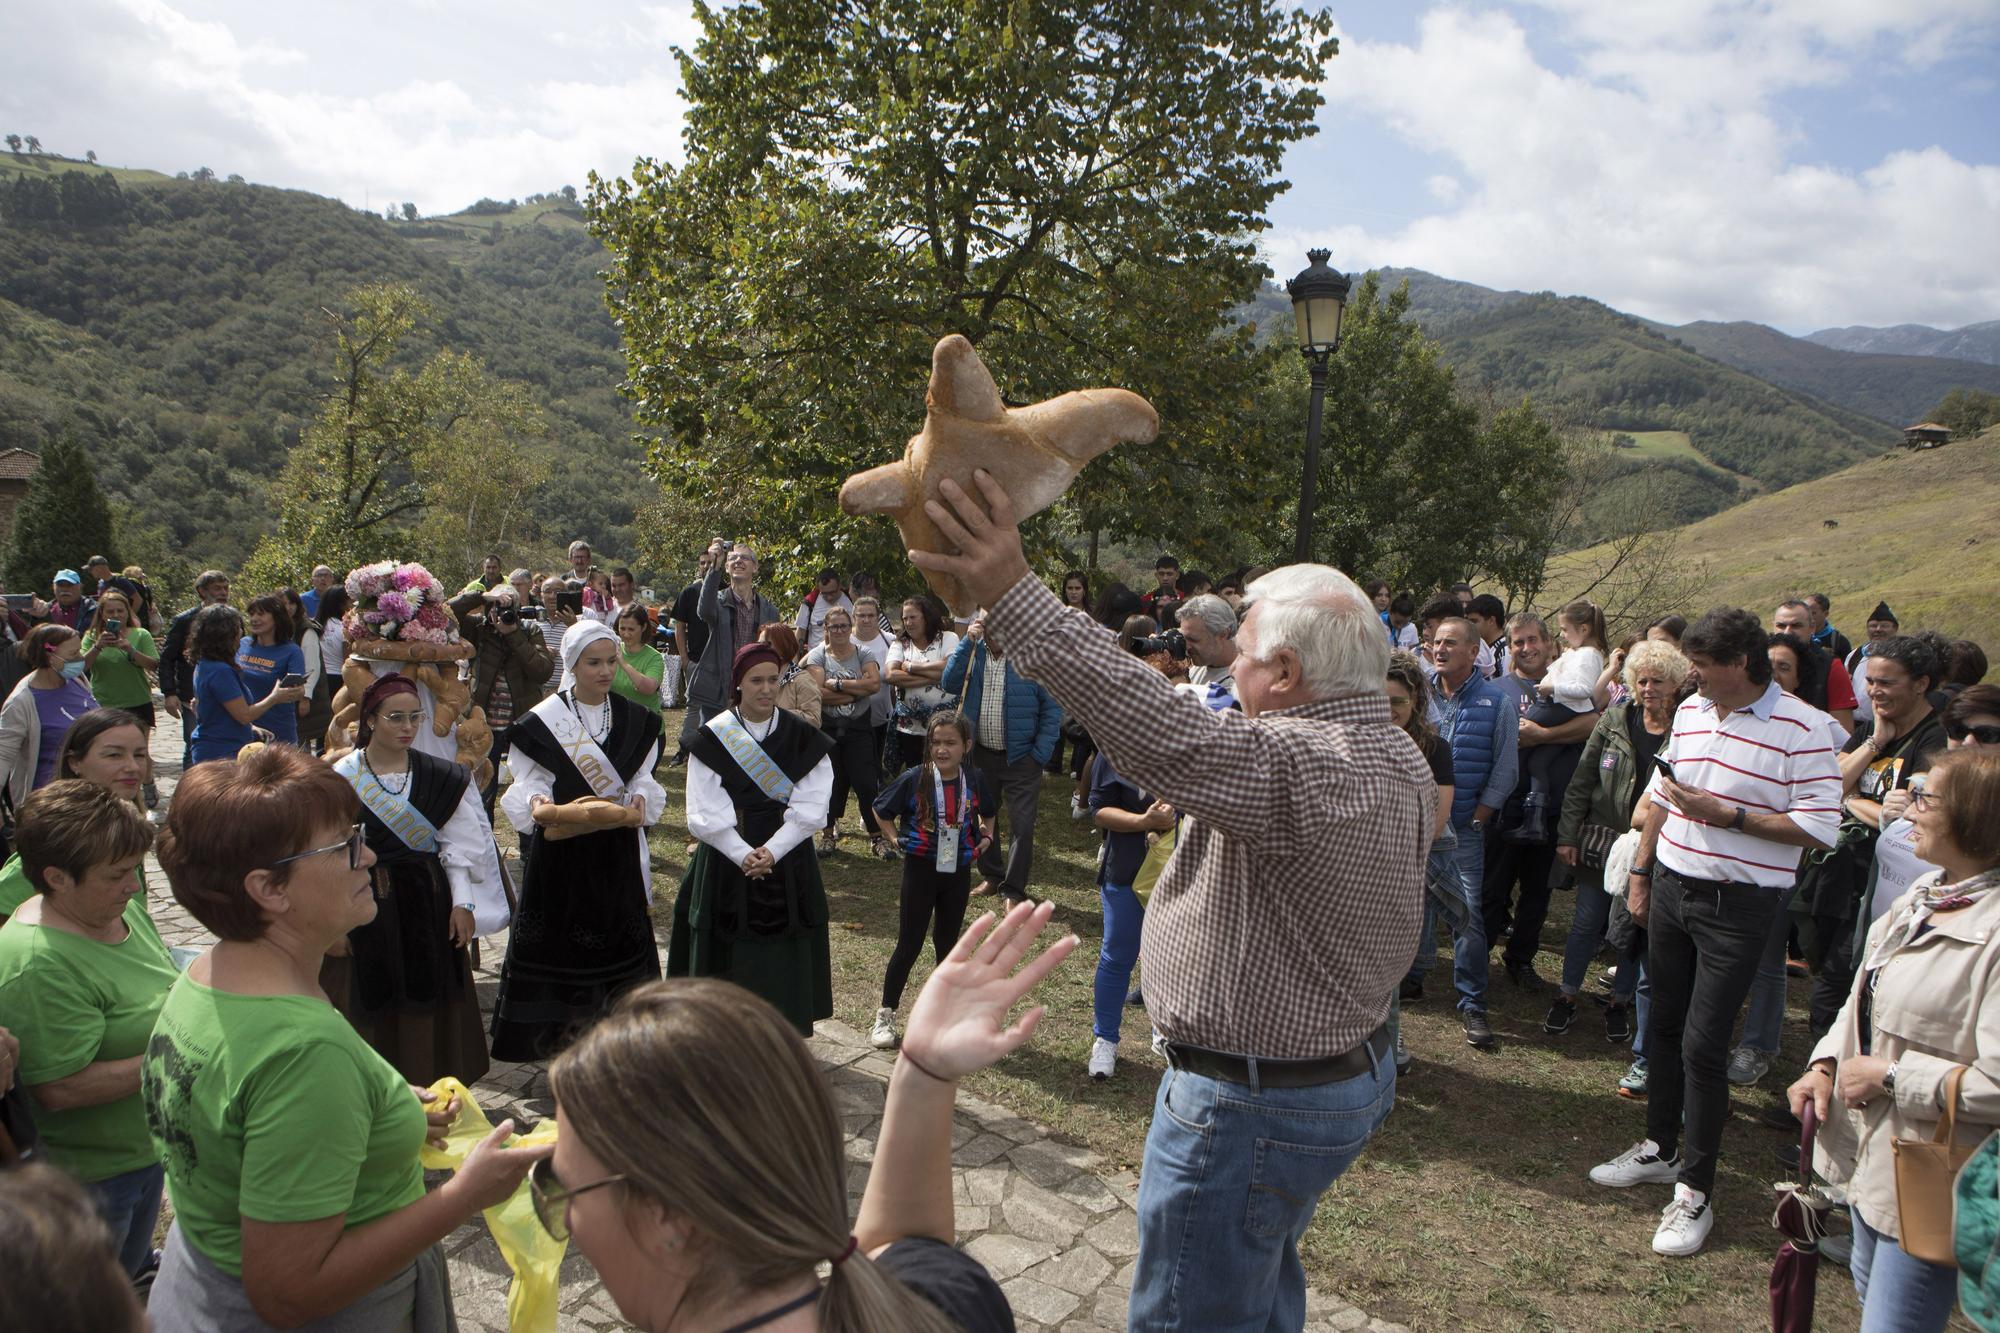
x=1925, y=1173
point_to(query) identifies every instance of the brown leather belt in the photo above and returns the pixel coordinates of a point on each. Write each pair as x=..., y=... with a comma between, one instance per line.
x=1282, y=1073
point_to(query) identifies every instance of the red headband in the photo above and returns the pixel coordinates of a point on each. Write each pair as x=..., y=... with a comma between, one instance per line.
x=749, y=655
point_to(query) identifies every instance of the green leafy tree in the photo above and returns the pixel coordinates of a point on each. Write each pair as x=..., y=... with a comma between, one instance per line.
x=34, y=144
x=63, y=519
x=409, y=211
x=203, y=174
x=1967, y=411
x=1417, y=484
x=90, y=156
x=13, y=143
x=425, y=464
x=1074, y=186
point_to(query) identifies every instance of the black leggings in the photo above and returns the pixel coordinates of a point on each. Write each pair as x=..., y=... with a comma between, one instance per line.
x=853, y=767
x=932, y=902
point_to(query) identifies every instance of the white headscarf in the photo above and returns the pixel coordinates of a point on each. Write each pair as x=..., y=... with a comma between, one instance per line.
x=575, y=639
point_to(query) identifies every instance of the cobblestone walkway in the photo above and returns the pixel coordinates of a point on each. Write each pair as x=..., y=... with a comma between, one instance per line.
x=1056, y=1231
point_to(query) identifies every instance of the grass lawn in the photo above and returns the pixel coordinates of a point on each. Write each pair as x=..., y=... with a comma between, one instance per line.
x=1471, y=1208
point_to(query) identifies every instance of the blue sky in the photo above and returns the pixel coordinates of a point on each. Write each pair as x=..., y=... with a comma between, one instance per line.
x=1799, y=162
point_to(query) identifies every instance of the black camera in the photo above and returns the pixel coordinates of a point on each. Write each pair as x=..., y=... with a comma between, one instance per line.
x=508, y=616
x=532, y=611
x=1172, y=642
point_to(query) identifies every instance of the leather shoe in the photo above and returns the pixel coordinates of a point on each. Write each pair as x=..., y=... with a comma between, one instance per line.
x=1477, y=1032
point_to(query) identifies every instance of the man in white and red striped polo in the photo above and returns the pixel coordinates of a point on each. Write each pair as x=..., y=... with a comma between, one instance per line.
x=1754, y=783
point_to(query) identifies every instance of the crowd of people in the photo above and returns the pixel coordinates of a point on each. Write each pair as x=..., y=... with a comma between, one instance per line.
x=1302, y=786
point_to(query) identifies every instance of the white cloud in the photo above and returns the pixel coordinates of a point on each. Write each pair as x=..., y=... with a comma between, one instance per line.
x=171, y=91
x=1659, y=177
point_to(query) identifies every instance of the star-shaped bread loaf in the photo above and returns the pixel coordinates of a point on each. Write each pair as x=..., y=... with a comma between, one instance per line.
x=1034, y=452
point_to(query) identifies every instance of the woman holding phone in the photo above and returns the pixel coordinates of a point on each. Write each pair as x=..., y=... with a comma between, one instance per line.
x=225, y=708
x=268, y=659
x=120, y=652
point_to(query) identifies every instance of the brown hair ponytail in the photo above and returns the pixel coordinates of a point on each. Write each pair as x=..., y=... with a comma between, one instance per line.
x=712, y=1109
x=958, y=722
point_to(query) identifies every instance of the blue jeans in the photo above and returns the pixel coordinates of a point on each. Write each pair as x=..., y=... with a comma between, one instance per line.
x=1761, y=1026
x=1231, y=1176
x=1123, y=917
x=1898, y=1294
x=1468, y=944
x=1586, y=934
x=1642, y=1005
x=130, y=1205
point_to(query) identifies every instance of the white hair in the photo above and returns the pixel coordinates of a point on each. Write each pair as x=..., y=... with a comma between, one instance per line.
x=1216, y=616
x=1319, y=613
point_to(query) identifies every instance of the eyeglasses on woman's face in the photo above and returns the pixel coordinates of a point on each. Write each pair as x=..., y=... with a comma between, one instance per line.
x=405, y=718
x=353, y=842
x=551, y=1197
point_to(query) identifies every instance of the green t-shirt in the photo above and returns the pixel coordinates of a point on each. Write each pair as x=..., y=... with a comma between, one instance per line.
x=271, y=1107
x=15, y=886
x=116, y=680
x=646, y=660
x=73, y=1002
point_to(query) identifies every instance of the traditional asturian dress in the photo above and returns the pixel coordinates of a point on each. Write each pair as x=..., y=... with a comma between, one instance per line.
x=748, y=786
x=582, y=931
x=405, y=987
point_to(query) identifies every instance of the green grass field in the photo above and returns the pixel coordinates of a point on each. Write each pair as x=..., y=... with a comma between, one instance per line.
x=1471, y=1209
x=47, y=164
x=1917, y=530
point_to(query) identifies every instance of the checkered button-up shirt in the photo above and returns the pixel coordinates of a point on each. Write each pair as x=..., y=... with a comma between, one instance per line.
x=1284, y=920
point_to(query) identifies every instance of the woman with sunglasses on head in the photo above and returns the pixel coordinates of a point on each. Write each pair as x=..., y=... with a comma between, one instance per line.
x=105, y=747
x=582, y=932
x=700, y=1168
x=290, y=1146
x=405, y=980
x=1919, y=1035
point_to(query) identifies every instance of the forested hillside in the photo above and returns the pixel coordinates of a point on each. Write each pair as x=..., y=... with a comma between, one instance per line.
x=176, y=328
x=1974, y=342
x=1898, y=390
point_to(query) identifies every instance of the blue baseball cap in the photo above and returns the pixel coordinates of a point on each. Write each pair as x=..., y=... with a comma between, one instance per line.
x=68, y=576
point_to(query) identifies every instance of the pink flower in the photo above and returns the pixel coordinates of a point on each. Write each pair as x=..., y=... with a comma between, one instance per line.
x=434, y=616
x=394, y=605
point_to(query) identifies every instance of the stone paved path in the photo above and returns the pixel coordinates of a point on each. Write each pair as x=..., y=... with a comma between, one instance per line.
x=1057, y=1231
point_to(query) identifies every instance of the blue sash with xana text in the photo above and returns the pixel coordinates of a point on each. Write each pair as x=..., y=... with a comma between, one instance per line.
x=751, y=757
x=401, y=818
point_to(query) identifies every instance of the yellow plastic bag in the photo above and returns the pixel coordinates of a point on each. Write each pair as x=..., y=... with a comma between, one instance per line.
x=534, y=1255
x=1156, y=860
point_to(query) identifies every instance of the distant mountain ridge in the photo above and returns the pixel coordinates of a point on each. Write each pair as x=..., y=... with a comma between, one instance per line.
x=1894, y=388
x=1974, y=342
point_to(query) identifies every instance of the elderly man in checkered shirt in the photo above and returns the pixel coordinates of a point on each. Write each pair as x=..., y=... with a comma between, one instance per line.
x=1279, y=929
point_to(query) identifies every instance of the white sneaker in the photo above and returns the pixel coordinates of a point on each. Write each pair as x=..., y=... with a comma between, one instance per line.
x=1747, y=1066
x=1685, y=1223
x=1103, y=1058
x=883, y=1037
x=1077, y=809
x=1640, y=1164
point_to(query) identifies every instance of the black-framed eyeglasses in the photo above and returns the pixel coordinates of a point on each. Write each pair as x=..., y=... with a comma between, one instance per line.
x=1922, y=798
x=1985, y=733
x=551, y=1197
x=355, y=840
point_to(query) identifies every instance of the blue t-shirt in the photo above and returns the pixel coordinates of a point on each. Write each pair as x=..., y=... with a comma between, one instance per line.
x=918, y=838
x=1124, y=853
x=217, y=735
x=309, y=599
x=262, y=667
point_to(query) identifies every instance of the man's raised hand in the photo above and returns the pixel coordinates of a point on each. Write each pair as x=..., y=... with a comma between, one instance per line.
x=988, y=541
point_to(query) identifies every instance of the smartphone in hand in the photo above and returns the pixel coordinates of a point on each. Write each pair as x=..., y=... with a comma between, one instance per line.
x=1660, y=761
x=293, y=680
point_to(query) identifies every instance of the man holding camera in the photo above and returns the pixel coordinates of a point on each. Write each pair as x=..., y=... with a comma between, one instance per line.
x=1208, y=640
x=733, y=611
x=510, y=664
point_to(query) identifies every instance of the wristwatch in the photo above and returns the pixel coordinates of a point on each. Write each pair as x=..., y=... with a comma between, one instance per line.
x=1889, y=1079
x=1742, y=815
x=1647, y=871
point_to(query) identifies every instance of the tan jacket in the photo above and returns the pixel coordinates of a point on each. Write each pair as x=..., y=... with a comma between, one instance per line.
x=1936, y=1005
x=800, y=695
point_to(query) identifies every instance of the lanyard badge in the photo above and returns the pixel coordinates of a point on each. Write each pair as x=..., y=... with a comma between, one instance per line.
x=947, y=838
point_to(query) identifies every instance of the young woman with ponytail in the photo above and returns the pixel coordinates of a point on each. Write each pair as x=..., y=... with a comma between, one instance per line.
x=700, y=1168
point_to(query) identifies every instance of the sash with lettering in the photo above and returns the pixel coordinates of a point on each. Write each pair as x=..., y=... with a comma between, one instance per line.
x=756, y=762
x=396, y=813
x=582, y=749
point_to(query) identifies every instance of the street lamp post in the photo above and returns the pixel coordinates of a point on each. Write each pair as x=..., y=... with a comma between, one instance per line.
x=1319, y=295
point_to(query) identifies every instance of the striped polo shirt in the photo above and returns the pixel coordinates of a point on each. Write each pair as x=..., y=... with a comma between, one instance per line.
x=1772, y=757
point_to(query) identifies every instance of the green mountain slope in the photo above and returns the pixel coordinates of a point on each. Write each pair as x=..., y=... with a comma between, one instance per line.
x=1898, y=390
x=175, y=326
x=1916, y=530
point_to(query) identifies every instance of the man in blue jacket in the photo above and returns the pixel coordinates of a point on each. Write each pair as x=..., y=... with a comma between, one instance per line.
x=1480, y=722
x=1014, y=729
